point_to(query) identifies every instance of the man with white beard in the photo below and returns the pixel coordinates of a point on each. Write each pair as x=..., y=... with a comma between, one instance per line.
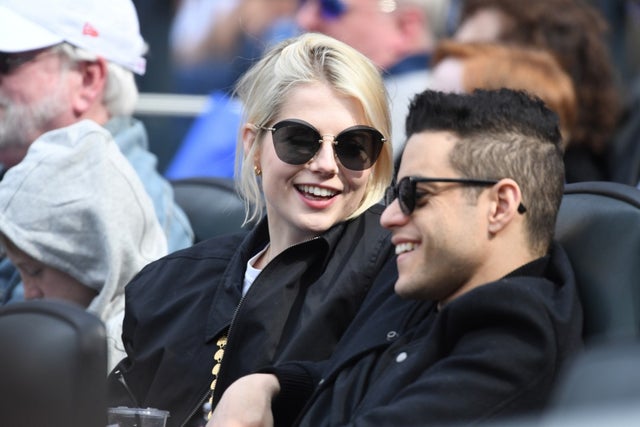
x=62, y=61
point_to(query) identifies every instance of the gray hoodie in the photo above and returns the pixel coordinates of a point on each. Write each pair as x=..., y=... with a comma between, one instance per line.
x=75, y=204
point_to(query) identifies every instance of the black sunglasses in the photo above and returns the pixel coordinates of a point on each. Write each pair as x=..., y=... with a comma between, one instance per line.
x=405, y=191
x=296, y=142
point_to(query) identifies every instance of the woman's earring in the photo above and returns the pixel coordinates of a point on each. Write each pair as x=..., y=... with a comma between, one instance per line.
x=257, y=170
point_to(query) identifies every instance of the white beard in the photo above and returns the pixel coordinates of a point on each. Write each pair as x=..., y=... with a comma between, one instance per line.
x=20, y=124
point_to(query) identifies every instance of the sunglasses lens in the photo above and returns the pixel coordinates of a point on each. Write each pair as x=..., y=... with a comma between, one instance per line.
x=389, y=195
x=358, y=149
x=403, y=191
x=295, y=143
x=406, y=196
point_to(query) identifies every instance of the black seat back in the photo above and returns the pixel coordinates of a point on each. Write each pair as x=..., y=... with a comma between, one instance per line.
x=53, y=366
x=599, y=226
x=603, y=374
x=624, y=150
x=211, y=204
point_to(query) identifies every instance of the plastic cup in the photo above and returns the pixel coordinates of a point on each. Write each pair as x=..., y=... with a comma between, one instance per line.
x=136, y=417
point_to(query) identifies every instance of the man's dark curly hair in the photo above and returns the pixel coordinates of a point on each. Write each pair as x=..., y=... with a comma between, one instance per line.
x=501, y=134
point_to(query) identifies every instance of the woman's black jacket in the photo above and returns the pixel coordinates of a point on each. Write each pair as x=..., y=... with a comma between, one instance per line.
x=296, y=309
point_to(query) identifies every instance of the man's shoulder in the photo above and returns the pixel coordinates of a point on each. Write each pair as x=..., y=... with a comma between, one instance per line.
x=528, y=299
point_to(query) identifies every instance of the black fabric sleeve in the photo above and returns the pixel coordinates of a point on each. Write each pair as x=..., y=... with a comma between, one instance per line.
x=297, y=381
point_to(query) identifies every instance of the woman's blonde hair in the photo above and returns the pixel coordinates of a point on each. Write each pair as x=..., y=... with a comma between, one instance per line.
x=305, y=59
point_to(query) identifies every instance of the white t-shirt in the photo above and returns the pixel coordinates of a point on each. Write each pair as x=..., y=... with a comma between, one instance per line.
x=251, y=273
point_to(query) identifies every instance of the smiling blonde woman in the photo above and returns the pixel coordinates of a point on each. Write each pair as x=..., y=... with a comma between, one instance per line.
x=316, y=159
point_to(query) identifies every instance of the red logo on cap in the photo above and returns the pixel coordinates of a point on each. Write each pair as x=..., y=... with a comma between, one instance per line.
x=89, y=30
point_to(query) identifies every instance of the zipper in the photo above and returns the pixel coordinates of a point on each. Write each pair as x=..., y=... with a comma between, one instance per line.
x=198, y=406
x=120, y=378
x=243, y=298
x=233, y=319
x=208, y=394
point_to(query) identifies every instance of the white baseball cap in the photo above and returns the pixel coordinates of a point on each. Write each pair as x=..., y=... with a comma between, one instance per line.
x=107, y=28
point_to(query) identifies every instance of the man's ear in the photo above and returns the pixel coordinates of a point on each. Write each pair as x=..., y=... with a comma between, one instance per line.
x=90, y=88
x=505, y=198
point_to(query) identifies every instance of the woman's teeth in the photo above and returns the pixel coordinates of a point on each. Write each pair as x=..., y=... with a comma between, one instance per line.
x=316, y=191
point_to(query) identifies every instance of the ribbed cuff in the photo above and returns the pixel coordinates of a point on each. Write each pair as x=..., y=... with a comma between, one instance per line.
x=296, y=387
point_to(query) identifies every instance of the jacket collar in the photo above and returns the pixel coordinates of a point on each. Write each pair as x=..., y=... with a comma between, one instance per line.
x=229, y=291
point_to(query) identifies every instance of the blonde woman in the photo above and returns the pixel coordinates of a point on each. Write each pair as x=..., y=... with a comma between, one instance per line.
x=315, y=159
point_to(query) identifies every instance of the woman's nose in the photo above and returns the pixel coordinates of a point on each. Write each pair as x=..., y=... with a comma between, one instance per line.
x=325, y=159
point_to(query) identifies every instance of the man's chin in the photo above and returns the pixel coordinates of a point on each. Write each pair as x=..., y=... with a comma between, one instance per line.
x=404, y=289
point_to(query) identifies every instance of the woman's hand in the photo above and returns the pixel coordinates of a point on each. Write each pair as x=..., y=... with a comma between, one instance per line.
x=247, y=403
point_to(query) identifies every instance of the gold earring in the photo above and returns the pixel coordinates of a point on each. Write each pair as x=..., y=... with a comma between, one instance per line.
x=257, y=170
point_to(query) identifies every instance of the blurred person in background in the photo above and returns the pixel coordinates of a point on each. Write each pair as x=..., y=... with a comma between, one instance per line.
x=624, y=40
x=213, y=42
x=574, y=32
x=63, y=61
x=78, y=224
x=464, y=67
x=623, y=37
